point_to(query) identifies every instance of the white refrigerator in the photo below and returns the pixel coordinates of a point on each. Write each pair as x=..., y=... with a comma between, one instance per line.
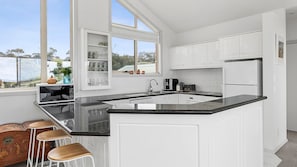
x=242, y=77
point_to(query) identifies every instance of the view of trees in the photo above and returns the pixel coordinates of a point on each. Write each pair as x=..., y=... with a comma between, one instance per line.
x=121, y=61
x=18, y=52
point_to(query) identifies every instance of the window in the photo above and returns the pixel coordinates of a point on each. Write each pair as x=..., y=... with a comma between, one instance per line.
x=134, y=43
x=20, y=50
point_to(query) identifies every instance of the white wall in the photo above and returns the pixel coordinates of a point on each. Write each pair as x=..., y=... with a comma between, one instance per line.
x=214, y=32
x=291, y=74
x=205, y=80
x=95, y=15
x=211, y=79
x=18, y=107
x=274, y=81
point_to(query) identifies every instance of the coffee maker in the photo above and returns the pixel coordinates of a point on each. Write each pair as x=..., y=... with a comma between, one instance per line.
x=170, y=84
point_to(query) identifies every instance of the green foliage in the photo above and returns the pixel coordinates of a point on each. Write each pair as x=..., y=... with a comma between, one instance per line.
x=62, y=70
x=120, y=61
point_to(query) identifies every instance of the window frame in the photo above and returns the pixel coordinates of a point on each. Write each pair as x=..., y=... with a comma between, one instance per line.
x=132, y=33
x=43, y=51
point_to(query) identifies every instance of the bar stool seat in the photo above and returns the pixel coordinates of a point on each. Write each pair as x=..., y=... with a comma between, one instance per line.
x=68, y=153
x=44, y=124
x=51, y=135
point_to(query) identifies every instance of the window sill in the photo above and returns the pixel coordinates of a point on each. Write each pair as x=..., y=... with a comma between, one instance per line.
x=17, y=92
x=136, y=75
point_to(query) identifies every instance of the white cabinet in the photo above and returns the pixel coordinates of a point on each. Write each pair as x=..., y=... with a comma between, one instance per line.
x=231, y=138
x=96, y=60
x=179, y=57
x=251, y=45
x=204, y=55
x=243, y=46
x=229, y=48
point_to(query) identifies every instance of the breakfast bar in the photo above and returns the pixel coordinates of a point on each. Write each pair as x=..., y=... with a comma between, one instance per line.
x=225, y=132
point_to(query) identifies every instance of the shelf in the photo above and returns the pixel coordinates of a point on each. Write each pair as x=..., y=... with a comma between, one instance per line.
x=96, y=60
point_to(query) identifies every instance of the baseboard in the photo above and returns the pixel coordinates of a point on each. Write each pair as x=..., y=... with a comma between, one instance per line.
x=280, y=145
x=270, y=159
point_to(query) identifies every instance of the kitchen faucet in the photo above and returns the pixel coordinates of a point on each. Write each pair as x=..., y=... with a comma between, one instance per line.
x=150, y=88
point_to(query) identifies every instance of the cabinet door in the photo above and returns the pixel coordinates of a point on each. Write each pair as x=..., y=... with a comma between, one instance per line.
x=251, y=45
x=179, y=57
x=229, y=48
x=96, y=60
x=198, y=55
x=213, y=55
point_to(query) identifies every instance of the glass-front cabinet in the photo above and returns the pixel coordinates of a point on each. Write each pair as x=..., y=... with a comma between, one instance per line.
x=96, y=72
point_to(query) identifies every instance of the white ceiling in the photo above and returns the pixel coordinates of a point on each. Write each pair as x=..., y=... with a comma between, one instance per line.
x=185, y=15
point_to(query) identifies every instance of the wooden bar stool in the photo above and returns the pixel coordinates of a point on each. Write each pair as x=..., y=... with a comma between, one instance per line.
x=47, y=136
x=33, y=128
x=69, y=153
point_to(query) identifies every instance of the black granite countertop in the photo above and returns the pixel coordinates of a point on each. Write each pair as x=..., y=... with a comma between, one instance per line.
x=96, y=99
x=89, y=116
x=209, y=107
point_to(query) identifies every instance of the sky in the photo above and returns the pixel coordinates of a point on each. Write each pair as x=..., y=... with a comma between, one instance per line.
x=20, y=25
x=125, y=46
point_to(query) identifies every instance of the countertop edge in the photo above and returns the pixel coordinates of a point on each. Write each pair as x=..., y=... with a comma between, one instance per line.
x=194, y=111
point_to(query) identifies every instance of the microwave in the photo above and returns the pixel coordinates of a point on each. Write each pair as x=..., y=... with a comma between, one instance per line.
x=54, y=93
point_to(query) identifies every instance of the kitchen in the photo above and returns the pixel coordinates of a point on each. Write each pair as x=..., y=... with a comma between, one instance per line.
x=209, y=80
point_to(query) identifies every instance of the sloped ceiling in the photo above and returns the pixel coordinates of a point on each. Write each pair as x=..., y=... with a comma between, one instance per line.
x=185, y=15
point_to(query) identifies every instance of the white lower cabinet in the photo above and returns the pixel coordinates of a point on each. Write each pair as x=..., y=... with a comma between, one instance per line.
x=232, y=138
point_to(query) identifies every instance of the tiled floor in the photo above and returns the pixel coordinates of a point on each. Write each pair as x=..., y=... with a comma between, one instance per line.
x=288, y=153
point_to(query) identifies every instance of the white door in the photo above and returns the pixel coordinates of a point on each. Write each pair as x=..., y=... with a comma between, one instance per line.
x=242, y=72
x=234, y=90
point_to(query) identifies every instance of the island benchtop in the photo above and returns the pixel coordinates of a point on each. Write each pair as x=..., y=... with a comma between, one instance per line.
x=89, y=116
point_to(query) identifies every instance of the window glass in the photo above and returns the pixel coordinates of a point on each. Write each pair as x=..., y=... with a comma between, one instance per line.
x=142, y=27
x=122, y=55
x=20, y=41
x=58, y=37
x=146, y=57
x=120, y=15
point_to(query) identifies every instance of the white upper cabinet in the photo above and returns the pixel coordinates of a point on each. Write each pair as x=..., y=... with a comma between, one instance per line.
x=229, y=48
x=204, y=55
x=251, y=45
x=179, y=57
x=241, y=46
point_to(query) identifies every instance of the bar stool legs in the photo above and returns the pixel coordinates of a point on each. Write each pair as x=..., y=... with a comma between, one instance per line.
x=34, y=127
x=48, y=136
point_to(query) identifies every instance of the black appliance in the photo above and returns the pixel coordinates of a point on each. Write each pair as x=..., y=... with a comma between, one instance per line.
x=170, y=84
